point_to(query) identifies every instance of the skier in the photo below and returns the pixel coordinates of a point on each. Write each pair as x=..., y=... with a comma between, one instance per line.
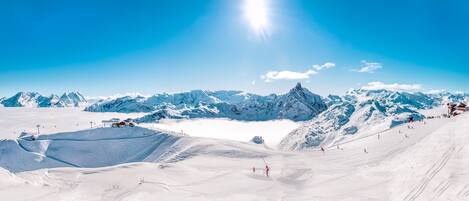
x=253, y=169
x=322, y=149
x=267, y=170
x=379, y=136
x=364, y=150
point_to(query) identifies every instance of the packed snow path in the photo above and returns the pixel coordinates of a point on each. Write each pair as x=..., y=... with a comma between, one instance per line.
x=426, y=162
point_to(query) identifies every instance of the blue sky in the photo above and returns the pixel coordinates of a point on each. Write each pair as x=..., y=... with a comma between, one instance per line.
x=108, y=47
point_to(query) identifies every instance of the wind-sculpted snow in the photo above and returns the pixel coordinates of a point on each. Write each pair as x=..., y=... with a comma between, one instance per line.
x=364, y=111
x=111, y=146
x=33, y=99
x=298, y=104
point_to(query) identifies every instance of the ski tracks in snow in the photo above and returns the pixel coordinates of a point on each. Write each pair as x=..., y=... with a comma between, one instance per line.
x=430, y=174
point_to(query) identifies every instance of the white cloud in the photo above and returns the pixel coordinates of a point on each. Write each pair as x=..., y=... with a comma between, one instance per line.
x=392, y=87
x=287, y=75
x=325, y=65
x=435, y=91
x=253, y=82
x=292, y=75
x=369, y=67
x=118, y=95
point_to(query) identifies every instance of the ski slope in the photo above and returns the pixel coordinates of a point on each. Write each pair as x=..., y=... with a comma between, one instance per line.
x=429, y=164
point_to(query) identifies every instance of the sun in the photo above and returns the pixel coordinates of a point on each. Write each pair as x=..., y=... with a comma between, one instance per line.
x=256, y=13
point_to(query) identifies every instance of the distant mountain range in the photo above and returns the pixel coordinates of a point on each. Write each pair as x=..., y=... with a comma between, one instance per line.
x=34, y=99
x=298, y=104
x=325, y=120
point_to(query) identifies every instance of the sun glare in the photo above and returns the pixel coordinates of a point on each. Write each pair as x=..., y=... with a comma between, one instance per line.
x=256, y=14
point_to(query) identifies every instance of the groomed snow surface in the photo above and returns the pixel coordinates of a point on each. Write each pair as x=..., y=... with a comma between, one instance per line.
x=427, y=161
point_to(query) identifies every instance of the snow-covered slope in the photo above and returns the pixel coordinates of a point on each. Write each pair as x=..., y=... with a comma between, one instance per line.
x=111, y=146
x=34, y=99
x=429, y=164
x=359, y=111
x=298, y=104
x=9, y=178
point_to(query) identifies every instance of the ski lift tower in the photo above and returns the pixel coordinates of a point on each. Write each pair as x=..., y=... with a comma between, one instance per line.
x=38, y=126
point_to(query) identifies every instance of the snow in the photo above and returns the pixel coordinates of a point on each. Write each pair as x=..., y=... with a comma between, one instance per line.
x=419, y=161
x=14, y=120
x=358, y=113
x=100, y=147
x=271, y=131
x=428, y=165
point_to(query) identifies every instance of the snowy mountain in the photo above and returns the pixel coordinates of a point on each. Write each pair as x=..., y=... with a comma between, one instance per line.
x=24, y=99
x=298, y=104
x=126, y=104
x=364, y=111
x=191, y=99
x=453, y=97
x=71, y=99
x=34, y=99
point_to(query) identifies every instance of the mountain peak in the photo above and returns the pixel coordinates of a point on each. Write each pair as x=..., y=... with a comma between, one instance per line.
x=298, y=86
x=297, y=89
